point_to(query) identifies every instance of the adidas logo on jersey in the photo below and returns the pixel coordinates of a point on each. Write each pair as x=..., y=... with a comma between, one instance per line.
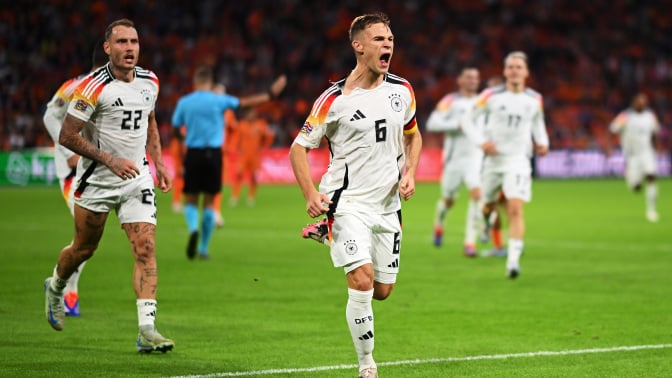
x=357, y=116
x=118, y=102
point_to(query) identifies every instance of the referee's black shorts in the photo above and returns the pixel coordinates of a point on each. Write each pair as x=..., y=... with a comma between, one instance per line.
x=203, y=170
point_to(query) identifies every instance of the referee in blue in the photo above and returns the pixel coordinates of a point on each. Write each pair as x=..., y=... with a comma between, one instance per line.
x=201, y=112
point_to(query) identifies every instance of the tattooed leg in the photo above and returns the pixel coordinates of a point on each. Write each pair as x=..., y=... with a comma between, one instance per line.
x=89, y=228
x=145, y=277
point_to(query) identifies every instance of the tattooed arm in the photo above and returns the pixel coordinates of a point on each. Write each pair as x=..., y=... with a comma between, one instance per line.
x=70, y=138
x=154, y=149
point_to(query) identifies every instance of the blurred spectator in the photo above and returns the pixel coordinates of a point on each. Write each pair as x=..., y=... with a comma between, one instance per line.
x=587, y=57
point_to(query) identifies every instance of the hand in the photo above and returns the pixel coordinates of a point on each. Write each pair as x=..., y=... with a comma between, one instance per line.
x=489, y=148
x=163, y=177
x=541, y=150
x=123, y=168
x=278, y=85
x=317, y=203
x=72, y=161
x=407, y=187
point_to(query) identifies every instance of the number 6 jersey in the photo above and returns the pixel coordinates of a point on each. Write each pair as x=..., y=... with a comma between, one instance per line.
x=364, y=130
x=117, y=114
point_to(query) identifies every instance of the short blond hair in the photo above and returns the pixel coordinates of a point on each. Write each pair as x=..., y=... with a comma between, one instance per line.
x=516, y=54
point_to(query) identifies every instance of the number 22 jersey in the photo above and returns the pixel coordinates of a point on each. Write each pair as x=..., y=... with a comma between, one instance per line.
x=117, y=113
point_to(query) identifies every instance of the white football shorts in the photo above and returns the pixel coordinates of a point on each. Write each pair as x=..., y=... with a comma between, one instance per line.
x=359, y=239
x=456, y=172
x=639, y=166
x=133, y=202
x=513, y=184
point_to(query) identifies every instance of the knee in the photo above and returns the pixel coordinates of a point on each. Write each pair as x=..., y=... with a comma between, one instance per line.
x=515, y=212
x=361, y=279
x=143, y=248
x=362, y=285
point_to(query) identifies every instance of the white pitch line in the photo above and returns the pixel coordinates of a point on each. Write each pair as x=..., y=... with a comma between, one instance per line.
x=431, y=361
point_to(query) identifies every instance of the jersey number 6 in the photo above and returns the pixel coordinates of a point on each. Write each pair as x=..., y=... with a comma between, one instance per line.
x=381, y=130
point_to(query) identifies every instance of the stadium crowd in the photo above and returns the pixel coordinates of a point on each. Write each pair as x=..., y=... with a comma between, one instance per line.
x=587, y=58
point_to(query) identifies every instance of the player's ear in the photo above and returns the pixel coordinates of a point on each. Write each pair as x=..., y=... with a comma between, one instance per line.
x=357, y=46
x=106, y=47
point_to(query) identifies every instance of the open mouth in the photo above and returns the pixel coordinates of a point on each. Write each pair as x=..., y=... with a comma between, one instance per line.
x=129, y=57
x=385, y=58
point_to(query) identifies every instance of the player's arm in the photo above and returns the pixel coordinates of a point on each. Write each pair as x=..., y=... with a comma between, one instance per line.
x=441, y=117
x=412, y=148
x=71, y=139
x=257, y=99
x=177, y=122
x=153, y=147
x=473, y=125
x=616, y=126
x=440, y=121
x=656, y=140
x=52, y=122
x=298, y=156
x=539, y=133
x=53, y=118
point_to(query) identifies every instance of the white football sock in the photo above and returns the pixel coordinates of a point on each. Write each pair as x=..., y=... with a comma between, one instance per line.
x=146, y=311
x=472, y=227
x=57, y=283
x=514, y=252
x=74, y=279
x=359, y=315
x=441, y=211
x=651, y=196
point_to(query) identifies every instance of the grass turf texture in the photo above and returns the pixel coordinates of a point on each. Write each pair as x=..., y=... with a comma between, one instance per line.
x=595, y=274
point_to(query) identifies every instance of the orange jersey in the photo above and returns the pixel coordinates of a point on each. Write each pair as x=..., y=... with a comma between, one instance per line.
x=230, y=125
x=251, y=136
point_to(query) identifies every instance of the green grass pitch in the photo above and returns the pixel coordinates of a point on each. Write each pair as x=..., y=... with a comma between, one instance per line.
x=596, y=275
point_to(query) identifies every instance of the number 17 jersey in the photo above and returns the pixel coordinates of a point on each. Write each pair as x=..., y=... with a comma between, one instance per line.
x=364, y=130
x=117, y=114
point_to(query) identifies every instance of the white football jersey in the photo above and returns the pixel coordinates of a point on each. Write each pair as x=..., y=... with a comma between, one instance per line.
x=636, y=130
x=117, y=113
x=511, y=121
x=447, y=118
x=53, y=120
x=365, y=131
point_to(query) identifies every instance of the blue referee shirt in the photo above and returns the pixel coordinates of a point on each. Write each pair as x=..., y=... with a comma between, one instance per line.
x=202, y=112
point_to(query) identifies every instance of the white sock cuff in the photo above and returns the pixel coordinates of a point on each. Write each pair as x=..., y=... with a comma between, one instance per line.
x=360, y=296
x=146, y=302
x=146, y=311
x=57, y=283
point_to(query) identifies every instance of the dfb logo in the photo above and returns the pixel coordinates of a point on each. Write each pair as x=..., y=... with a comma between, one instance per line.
x=364, y=319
